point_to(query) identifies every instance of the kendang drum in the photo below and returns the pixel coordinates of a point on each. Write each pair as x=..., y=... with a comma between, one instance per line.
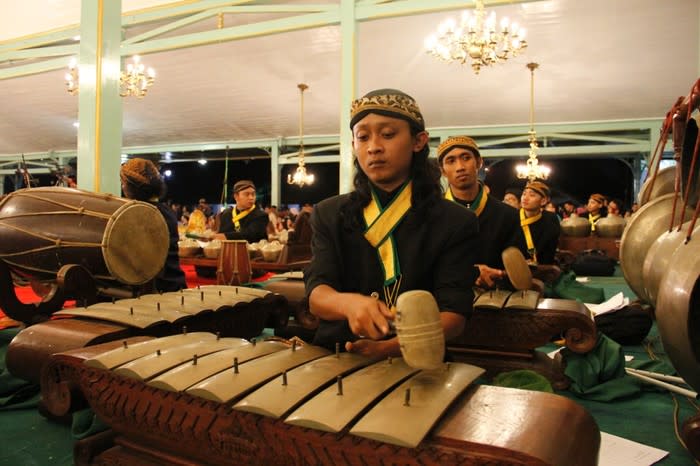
x=114, y=239
x=233, y=267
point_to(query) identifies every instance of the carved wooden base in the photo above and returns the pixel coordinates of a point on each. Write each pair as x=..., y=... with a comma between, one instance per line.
x=72, y=282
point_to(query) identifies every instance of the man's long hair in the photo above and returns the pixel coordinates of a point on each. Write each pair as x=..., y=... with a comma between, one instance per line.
x=426, y=186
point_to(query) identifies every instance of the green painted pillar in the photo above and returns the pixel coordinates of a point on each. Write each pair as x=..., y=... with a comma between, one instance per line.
x=348, y=73
x=99, y=106
x=275, y=175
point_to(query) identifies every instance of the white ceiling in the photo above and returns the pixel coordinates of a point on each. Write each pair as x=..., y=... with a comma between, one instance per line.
x=599, y=60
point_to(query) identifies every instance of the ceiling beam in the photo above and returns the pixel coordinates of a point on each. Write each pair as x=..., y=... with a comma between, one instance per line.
x=316, y=15
x=367, y=11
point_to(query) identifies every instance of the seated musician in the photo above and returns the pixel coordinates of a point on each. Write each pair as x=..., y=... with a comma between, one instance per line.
x=141, y=181
x=393, y=233
x=301, y=233
x=512, y=197
x=595, y=208
x=244, y=220
x=540, y=228
x=460, y=160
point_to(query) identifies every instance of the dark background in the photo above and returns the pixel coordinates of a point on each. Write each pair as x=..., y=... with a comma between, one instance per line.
x=571, y=178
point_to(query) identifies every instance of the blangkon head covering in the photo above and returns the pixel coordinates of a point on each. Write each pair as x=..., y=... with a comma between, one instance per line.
x=140, y=172
x=599, y=198
x=465, y=142
x=388, y=102
x=539, y=187
x=241, y=185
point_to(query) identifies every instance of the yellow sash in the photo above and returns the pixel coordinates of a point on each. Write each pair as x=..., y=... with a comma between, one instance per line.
x=592, y=220
x=479, y=202
x=238, y=216
x=525, y=223
x=380, y=225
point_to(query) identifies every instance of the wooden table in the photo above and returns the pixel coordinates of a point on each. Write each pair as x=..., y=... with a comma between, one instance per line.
x=576, y=244
x=201, y=261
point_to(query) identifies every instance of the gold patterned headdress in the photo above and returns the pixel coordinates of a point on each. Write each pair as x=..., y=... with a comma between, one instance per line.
x=457, y=141
x=389, y=102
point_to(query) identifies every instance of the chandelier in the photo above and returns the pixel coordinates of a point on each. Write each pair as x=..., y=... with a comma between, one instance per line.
x=532, y=170
x=300, y=177
x=135, y=81
x=477, y=39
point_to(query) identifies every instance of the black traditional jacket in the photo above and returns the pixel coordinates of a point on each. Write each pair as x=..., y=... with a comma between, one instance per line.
x=437, y=251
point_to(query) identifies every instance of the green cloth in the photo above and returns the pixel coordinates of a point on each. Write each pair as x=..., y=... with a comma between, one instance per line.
x=599, y=374
x=523, y=379
x=86, y=423
x=566, y=287
x=14, y=393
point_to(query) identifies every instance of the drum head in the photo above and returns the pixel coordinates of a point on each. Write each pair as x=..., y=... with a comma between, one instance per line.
x=135, y=243
x=517, y=269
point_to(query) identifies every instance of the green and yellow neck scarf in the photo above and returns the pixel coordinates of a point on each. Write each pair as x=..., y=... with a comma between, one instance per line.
x=479, y=203
x=238, y=216
x=381, y=223
x=592, y=219
x=525, y=223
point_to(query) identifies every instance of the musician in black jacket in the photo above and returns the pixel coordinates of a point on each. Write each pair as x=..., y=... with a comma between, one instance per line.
x=245, y=220
x=393, y=233
x=540, y=228
x=499, y=228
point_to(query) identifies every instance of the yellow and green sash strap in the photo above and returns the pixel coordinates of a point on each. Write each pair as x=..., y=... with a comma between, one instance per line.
x=479, y=203
x=380, y=224
x=592, y=219
x=238, y=216
x=525, y=223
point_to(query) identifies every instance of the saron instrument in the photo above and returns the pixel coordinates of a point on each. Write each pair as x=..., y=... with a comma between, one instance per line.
x=230, y=311
x=300, y=404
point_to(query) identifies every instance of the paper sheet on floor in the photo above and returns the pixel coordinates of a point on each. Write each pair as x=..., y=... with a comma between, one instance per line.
x=613, y=304
x=618, y=451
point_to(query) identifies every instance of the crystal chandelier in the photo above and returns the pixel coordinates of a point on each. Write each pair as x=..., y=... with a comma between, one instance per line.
x=477, y=39
x=300, y=177
x=135, y=81
x=532, y=170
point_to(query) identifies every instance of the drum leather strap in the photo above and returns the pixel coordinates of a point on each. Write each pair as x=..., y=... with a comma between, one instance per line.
x=238, y=216
x=380, y=225
x=525, y=223
x=592, y=219
x=479, y=203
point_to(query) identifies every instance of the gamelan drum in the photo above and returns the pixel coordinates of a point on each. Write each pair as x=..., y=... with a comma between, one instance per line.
x=115, y=239
x=233, y=267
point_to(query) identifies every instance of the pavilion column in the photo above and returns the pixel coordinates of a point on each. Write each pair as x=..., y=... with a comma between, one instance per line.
x=348, y=74
x=99, y=106
x=275, y=175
